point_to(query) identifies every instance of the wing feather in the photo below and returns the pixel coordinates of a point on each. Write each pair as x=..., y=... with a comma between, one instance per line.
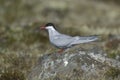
x=79, y=39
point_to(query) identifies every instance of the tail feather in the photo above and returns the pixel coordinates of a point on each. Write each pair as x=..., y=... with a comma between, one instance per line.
x=79, y=39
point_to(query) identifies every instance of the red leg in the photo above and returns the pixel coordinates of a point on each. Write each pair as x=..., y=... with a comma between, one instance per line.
x=61, y=50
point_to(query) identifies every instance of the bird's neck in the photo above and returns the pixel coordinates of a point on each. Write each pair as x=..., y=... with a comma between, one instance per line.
x=53, y=32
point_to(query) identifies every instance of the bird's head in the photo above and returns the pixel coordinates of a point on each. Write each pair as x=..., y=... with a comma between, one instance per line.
x=48, y=26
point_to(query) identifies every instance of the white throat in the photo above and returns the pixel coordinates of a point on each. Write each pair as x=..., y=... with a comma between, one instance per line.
x=52, y=32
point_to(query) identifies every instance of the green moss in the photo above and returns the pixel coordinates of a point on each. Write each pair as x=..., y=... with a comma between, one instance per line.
x=32, y=34
x=72, y=31
x=7, y=41
x=12, y=75
x=112, y=44
x=112, y=72
x=113, y=53
x=112, y=1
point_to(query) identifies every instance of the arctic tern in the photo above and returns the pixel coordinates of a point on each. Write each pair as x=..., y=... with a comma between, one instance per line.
x=63, y=41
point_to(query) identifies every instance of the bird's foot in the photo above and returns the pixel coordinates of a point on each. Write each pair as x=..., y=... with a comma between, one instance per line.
x=60, y=51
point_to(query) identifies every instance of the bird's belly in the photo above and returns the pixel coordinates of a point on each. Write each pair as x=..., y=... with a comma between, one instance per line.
x=59, y=44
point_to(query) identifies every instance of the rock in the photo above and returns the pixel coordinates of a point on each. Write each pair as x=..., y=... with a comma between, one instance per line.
x=80, y=64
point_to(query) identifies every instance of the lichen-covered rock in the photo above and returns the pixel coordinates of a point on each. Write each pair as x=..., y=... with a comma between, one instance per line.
x=80, y=64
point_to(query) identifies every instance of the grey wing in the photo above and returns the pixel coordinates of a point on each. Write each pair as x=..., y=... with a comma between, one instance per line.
x=62, y=41
x=79, y=39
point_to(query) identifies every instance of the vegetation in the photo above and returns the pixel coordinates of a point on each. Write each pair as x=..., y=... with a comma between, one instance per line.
x=112, y=73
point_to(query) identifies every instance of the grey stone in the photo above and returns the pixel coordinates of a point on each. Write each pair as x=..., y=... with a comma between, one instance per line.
x=72, y=65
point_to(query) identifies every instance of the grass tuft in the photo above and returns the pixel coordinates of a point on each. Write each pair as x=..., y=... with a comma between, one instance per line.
x=12, y=75
x=112, y=73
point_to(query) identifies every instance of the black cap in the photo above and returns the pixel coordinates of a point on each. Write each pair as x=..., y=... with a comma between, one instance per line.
x=49, y=24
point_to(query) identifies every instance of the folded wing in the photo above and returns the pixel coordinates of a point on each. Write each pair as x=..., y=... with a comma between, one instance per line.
x=79, y=39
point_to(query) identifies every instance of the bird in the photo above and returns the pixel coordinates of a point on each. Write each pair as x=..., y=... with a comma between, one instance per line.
x=63, y=41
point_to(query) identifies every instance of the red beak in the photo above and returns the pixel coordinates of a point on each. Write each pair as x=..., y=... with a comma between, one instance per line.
x=42, y=28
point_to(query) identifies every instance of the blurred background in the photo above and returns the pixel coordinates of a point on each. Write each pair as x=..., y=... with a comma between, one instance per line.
x=22, y=43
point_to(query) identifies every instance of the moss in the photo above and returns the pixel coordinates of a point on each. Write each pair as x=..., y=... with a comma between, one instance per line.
x=21, y=61
x=112, y=48
x=12, y=75
x=14, y=37
x=72, y=31
x=112, y=53
x=112, y=72
x=112, y=44
x=32, y=34
x=112, y=1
